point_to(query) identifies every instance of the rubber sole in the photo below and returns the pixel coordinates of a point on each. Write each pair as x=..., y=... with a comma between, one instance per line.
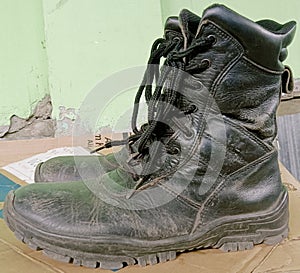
x=227, y=234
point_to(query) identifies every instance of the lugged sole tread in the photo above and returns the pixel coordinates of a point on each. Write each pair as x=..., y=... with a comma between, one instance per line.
x=233, y=237
x=116, y=262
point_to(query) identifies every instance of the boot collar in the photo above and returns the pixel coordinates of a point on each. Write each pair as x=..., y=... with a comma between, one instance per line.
x=264, y=42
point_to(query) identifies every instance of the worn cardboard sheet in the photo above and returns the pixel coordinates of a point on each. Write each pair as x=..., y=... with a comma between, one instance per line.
x=16, y=257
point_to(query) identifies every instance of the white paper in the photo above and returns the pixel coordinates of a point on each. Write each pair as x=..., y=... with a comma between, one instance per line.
x=24, y=169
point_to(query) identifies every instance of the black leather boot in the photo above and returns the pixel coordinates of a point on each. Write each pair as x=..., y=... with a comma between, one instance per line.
x=75, y=168
x=214, y=183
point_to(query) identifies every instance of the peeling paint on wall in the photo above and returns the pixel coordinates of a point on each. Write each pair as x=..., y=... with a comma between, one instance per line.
x=65, y=122
x=38, y=125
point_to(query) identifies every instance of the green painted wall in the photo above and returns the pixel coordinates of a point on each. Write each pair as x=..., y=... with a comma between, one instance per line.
x=24, y=68
x=65, y=47
x=88, y=42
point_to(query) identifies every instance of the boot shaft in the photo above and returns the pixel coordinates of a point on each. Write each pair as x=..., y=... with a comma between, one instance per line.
x=241, y=87
x=245, y=70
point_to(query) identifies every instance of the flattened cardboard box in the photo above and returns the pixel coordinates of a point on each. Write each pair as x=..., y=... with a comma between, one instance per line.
x=16, y=257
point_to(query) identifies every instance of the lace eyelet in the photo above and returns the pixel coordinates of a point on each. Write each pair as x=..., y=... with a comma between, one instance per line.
x=176, y=39
x=189, y=135
x=144, y=127
x=213, y=38
x=175, y=151
x=174, y=161
x=194, y=108
x=206, y=62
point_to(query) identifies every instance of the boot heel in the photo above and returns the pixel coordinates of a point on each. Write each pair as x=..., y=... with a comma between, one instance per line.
x=270, y=229
x=239, y=246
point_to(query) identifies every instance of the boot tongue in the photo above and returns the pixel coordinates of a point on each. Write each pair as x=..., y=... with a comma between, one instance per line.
x=189, y=23
x=256, y=38
x=172, y=24
x=184, y=26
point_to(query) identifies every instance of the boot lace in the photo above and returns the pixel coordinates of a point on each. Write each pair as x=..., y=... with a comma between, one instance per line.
x=160, y=48
x=177, y=62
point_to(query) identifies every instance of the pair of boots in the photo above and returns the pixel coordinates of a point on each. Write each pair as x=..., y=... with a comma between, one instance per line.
x=203, y=172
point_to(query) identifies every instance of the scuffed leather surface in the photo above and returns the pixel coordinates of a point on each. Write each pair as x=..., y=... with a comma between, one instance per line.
x=250, y=97
x=253, y=188
x=71, y=209
x=240, y=149
x=70, y=168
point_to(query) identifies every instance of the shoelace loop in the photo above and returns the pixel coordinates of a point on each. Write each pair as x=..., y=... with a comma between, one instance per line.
x=174, y=65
